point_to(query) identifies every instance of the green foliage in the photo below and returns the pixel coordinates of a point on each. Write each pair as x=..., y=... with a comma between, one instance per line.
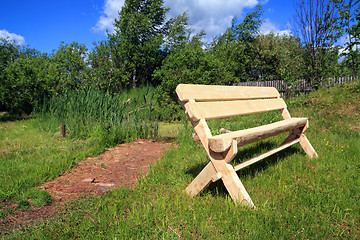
x=190, y=64
x=235, y=47
x=9, y=52
x=139, y=33
x=349, y=21
x=278, y=57
x=70, y=65
x=27, y=81
x=177, y=33
x=102, y=117
x=106, y=73
x=27, y=76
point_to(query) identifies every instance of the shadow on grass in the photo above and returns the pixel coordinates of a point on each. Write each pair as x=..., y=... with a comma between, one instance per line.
x=7, y=117
x=218, y=187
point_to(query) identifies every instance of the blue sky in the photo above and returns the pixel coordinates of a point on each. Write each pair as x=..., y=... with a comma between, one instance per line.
x=43, y=25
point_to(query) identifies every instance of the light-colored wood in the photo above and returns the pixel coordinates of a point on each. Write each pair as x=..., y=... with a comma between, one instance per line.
x=216, y=177
x=265, y=155
x=285, y=113
x=308, y=148
x=186, y=92
x=202, y=103
x=202, y=180
x=223, y=109
x=222, y=142
x=233, y=184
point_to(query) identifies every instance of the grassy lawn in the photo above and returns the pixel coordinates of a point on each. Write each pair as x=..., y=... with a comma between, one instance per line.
x=30, y=156
x=296, y=198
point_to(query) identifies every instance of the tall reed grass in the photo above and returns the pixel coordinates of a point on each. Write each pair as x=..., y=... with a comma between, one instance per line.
x=101, y=116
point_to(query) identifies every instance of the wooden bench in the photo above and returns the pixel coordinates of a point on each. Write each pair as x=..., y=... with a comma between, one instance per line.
x=204, y=102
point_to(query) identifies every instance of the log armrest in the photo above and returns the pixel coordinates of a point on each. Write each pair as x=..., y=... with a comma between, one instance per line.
x=222, y=142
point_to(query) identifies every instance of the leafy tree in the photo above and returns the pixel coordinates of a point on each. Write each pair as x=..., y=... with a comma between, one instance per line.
x=106, y=73
x=190, y=64
x=136, y=43
x=177, y=33
x=70, y=62
x=278, y=57
x=9, y=52
x=26, y=82
x=236, y=46
x=349, y=19
x=315, y=23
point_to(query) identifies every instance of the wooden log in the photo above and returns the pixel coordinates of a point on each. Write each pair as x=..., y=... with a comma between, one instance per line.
x=265, y=155
x=222, y=142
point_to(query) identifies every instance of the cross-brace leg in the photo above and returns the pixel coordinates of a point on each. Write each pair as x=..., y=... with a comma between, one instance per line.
x=219, y=167
x=304, y=142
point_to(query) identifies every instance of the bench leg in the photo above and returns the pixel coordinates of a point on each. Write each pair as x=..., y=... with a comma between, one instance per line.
x=229, y=177
x=218, y=168
x=308, y=148
x=201, y=180
x=232, y=183
x=304, y=142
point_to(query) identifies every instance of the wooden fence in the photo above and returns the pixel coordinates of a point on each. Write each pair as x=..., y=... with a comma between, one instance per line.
x=300, y=86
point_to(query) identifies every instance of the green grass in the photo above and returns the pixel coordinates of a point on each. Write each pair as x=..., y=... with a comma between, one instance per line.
x=110, y=119
x=169, y=130
x=30, y=157
x=296, y=198
x=33, y=151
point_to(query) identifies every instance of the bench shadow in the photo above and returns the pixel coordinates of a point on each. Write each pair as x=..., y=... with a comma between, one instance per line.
x=217, y=188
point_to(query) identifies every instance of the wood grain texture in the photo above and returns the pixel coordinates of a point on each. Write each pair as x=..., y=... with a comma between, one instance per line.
x=265, y=155
x=200, y=93
x=222, y=142
x=223, y=109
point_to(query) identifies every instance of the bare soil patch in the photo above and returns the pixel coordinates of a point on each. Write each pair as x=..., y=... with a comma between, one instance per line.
x=119, y=166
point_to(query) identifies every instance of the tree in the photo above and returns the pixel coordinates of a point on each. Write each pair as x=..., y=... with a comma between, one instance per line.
x=104, y=74
x=9, y=52
x=278, y=57
x=27, y=81
x=349, y=19
x=136, y=43
x=235, y=47
x=177, y=33
x=188, y=64
x=70, y=61
x=315, y=23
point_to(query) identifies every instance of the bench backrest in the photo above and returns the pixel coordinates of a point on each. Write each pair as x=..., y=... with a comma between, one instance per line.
x=212, y=101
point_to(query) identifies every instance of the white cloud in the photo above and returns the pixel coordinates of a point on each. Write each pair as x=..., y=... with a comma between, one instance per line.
x=214, y=16
x=269, y=27
x=20, y=40
x=343, y=42
x=111, y=11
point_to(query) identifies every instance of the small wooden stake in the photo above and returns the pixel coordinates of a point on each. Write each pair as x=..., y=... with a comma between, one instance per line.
x=63, y=130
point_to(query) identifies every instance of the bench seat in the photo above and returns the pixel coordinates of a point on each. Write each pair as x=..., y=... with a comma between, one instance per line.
x=222, y=142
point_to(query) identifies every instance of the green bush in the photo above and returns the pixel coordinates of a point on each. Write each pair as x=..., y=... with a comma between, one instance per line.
x=190, y=64
x=25, y=82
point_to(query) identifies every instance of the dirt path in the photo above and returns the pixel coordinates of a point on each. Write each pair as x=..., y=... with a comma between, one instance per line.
x=118, y=166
